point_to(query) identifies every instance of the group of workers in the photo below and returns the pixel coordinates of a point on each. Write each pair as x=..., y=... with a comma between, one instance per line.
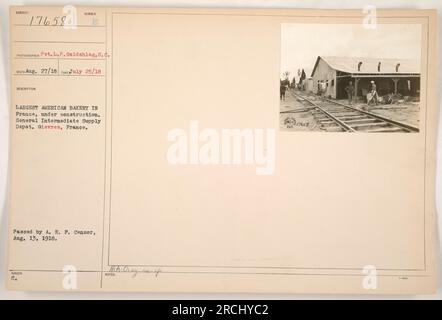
x=372, y=96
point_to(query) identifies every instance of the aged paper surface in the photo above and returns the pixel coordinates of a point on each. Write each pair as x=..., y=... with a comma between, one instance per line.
x=151, y=150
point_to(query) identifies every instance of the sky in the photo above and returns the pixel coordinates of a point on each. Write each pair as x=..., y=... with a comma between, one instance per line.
x=301, y=44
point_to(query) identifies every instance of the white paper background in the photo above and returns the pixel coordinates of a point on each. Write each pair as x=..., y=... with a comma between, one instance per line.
x=4, y=138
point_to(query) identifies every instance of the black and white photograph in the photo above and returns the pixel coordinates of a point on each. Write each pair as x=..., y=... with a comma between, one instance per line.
x=350, y=78
x=144, y=155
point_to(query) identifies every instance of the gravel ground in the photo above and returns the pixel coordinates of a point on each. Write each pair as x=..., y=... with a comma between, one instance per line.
x=301, y=119
x=406, y=112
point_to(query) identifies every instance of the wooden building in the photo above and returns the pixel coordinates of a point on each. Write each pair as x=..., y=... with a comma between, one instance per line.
x=331, y=76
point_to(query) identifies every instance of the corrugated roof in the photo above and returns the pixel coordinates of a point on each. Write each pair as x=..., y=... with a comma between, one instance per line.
x=370, y=65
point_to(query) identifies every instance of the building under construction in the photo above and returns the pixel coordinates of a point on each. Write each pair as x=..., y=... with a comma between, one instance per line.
x=331, y=75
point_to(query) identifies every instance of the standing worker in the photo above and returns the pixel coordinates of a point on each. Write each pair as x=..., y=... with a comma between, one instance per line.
x=350, y=89
x=373, y=93
x=282, y=89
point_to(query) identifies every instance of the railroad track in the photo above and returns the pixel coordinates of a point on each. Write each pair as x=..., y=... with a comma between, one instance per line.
x=337, y=117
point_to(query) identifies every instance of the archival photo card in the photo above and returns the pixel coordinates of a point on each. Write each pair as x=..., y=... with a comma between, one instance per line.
x=150, y=152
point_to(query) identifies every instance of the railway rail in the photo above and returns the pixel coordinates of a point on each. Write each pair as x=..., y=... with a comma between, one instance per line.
x=338, y=117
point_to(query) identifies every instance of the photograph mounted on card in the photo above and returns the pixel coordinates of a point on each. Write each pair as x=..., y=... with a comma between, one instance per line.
x=150, y=150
